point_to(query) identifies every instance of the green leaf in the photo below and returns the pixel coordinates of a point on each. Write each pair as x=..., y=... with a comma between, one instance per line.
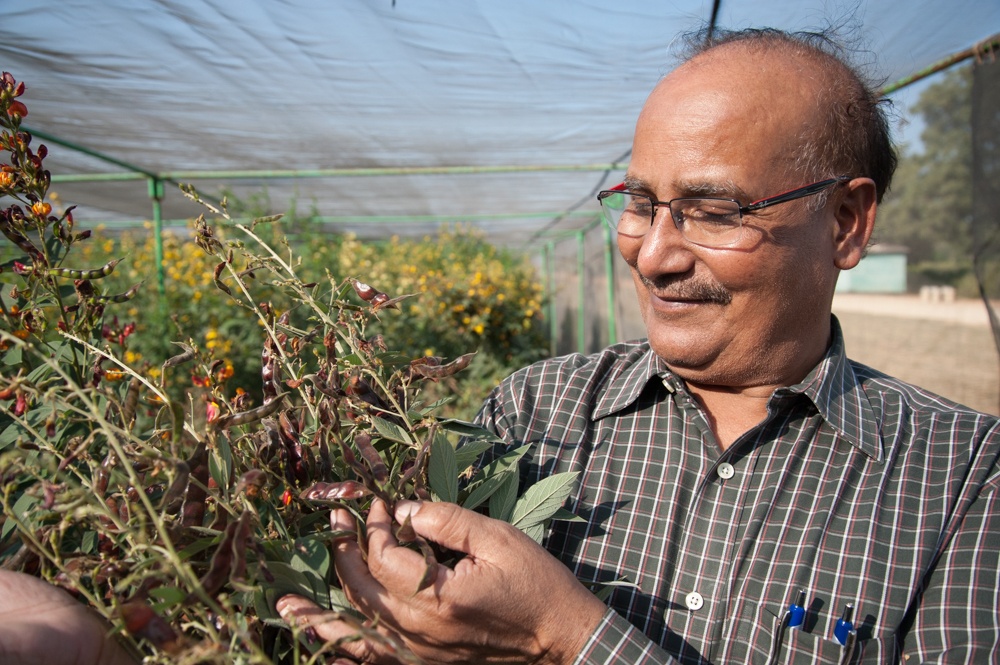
x=470, y=430
x=467, y=454
x=220, y=463
x=505, y=498
x=442, y=472
x=289, y=579
x=390, y=430
x=541, y=501
x=564, y=515
x=536, y=532
x=8, y=431
x=88, y=544
x=167, y=597
x=491, y=477
x=20, y=509
x=312, y=554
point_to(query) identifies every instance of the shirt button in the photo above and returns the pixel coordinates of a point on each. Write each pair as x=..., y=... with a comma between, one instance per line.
x=694, y=601
x=726, y=471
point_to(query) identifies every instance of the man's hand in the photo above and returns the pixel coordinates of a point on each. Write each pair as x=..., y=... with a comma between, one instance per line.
x=508, y=600
x=40, y=623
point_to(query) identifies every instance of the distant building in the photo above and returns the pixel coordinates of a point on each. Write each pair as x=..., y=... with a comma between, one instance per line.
x=883, y=270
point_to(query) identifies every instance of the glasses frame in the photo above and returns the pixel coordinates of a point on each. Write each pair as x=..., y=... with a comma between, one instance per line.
x=759, y=204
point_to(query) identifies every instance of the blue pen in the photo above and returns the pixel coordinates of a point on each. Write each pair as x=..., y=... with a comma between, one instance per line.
x=797, y=611
x=844, y=624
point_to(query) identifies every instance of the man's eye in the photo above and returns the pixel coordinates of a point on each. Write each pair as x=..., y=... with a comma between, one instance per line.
x=712, y=215
x=639, y=206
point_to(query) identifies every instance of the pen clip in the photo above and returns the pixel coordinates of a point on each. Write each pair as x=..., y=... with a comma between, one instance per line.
x=779, y=636
x=850, y=643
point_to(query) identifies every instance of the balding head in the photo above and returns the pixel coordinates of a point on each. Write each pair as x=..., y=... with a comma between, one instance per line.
x=847, y=132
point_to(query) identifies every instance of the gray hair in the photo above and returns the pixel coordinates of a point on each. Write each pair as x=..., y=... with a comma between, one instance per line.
x=855, y=138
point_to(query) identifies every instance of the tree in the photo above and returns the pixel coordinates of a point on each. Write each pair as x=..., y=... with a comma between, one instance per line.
x=929, y=207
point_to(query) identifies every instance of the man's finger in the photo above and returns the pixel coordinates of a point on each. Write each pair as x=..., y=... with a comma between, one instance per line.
x=398, y=569
x=356, y=579
x=325, y=626
x=458, y=529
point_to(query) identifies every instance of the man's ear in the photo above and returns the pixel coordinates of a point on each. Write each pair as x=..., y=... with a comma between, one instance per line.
x=854, y=219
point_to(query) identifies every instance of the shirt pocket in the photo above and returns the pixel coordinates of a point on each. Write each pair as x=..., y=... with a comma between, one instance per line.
x=801, y=648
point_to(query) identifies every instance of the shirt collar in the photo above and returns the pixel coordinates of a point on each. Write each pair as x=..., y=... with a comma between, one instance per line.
x=634, y=372
x=831, y=386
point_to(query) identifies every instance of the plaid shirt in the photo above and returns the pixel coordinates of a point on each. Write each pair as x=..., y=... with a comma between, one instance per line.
x=856, y=488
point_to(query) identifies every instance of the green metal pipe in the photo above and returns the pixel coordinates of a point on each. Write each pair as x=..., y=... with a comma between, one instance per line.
x=980, y=49
x=87, y=151
x=156, y=194
x=385, y=171
x=550, y=250
x=609, y=270
x=174, y=176
x=581, y=267
x=98, y=177
x=362, y=219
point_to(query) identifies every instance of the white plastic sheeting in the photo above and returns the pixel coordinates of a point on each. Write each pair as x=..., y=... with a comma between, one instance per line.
x=181, y=85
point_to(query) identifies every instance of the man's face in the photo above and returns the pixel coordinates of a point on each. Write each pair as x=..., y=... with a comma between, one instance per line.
x=756, y=313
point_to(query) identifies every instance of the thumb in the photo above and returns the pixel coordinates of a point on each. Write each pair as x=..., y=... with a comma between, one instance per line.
x=455, y=527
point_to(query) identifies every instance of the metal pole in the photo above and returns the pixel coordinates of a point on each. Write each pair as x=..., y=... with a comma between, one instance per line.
x=581, y=329
x=156, y=194
x=550, y=250
x=609, y=270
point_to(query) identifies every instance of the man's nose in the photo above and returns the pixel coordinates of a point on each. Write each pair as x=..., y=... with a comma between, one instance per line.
x=663, y=249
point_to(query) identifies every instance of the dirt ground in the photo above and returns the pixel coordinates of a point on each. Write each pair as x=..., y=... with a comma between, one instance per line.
x=945, y=347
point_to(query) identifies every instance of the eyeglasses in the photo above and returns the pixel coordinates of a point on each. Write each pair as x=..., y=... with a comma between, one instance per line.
x=704, y=221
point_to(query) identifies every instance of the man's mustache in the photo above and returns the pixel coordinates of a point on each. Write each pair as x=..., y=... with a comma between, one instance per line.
x=672, y=287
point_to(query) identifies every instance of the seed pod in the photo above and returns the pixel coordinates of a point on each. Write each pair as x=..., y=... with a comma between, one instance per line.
x=193, y=512
x=364, y=291
x=251, y=416
x=173, y=498
x=184, y=357
x=131, y=401
x=358, y=387
x=96, y=273
x=143, y=623
x=218, y=282
x=252, y=482
x=372, y=458
x=433, y=372
x=342, y=491
x=270, y=370
x=103, y=474
x=121, y=297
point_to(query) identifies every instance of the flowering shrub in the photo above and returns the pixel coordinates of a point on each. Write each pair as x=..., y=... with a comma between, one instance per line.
x=181, y=518
x=472, y=297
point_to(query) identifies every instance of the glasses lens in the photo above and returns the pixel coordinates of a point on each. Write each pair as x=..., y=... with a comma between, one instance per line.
x=710, y=222
x=629, y=214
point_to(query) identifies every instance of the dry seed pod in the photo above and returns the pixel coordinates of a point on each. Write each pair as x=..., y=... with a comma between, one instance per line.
x=342, y=491
x=440, y=371
x=372, y=458
x=142, y=622
x=367, y=293
x=252, y=482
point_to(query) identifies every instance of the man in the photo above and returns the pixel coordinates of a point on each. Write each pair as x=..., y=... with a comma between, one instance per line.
x=769, y=500
x=765, y=499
